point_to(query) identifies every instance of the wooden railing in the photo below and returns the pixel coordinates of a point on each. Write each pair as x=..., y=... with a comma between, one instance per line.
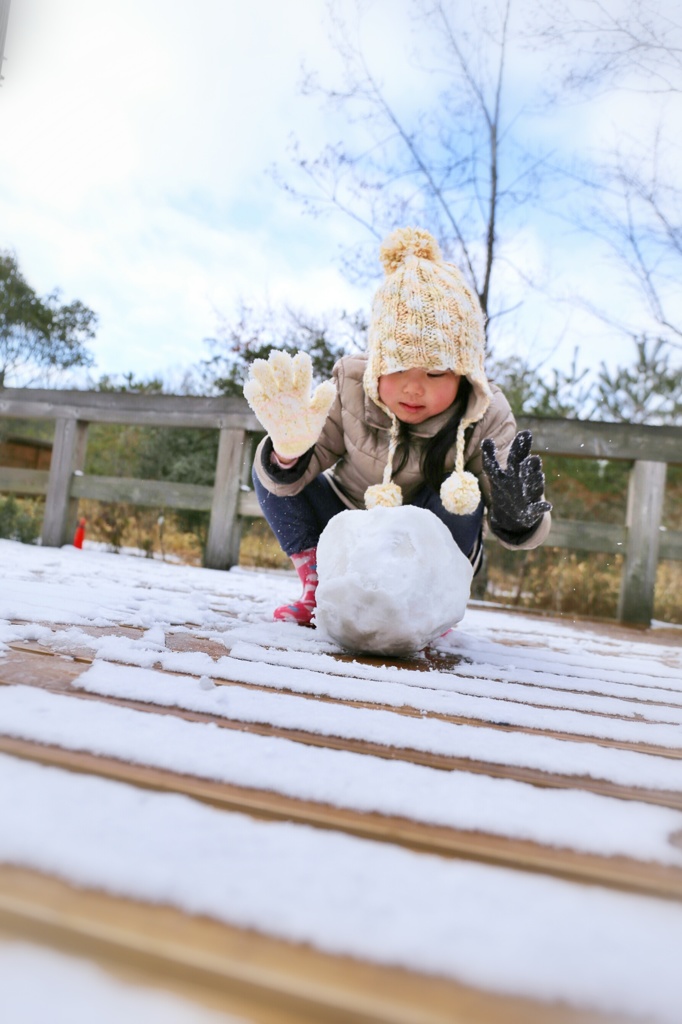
x=65, y=483
x=641, y=539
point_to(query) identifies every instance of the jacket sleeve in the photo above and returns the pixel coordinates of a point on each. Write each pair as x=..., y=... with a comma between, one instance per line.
x=499, y=424
x=327, y=450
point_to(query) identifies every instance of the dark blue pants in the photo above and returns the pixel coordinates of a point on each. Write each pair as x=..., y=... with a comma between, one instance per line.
x=298, y=521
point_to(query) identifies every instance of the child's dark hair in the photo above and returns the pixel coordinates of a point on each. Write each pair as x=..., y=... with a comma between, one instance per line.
x=433, y=456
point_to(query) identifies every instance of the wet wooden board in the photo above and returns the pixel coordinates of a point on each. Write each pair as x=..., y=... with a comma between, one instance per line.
x=11, y=671
x=614, y=872
x=256, y=976
x=242, y=972
x=20, y=667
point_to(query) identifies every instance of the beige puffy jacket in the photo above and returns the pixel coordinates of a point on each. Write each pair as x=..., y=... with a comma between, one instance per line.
x=353, y=447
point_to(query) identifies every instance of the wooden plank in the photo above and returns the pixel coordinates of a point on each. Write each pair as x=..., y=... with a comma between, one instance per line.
x=586, y=536
x=588, y=439
x=618, y=872
x=646, y=494
x=670, y=544
x=583, y=439
x=141, y=975
x=128, y=407
x=28, y=482
x=245, y=484
x=17, y=668
x=574, y=534
x=228, y=476
x=565, y=533
x=242, y=972
x=152, y=493
x=248, y=505
x=68, y=457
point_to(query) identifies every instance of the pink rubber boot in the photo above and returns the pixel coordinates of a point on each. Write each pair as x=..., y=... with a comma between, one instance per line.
x=301, y=611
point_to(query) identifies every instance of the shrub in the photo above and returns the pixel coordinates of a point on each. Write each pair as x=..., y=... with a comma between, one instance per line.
x=20, y=520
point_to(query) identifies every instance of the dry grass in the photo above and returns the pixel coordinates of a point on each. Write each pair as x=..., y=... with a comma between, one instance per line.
x=131, y=526
x=555, y=580
x=668, y=598
x=573, y=583
x=260, y=548
x=134, y=527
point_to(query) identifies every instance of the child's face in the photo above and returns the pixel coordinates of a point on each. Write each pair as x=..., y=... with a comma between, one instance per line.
x=416, y=395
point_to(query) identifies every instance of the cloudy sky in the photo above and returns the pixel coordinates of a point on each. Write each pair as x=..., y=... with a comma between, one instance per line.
x=137, y=139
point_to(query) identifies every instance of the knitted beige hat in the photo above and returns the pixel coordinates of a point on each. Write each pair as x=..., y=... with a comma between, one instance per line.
x=425, y=315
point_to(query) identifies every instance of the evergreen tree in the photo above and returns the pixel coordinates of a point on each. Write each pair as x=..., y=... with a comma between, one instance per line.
x=39, y=336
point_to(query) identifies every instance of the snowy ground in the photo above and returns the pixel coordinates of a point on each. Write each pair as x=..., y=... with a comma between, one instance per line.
x=586, y=704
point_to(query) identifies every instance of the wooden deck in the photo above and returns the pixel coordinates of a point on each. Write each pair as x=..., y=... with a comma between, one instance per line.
x=260, y=978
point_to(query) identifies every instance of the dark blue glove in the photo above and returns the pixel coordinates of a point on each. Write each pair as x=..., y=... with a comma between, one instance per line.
x=515, y=492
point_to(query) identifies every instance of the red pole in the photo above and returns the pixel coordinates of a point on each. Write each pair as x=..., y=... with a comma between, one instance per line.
x=79, y=535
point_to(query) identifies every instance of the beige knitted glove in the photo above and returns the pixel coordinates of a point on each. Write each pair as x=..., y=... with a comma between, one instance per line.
x=278, y=391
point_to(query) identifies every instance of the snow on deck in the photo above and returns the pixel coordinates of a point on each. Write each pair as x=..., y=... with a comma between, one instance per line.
x=491, y=831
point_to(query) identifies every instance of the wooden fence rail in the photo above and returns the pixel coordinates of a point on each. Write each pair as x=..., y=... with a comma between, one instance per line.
x=641, y=539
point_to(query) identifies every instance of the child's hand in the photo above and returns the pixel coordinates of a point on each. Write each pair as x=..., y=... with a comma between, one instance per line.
x=515, y=492
x=278, y=391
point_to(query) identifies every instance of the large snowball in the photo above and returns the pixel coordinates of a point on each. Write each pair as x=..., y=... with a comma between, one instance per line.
x=391, y=580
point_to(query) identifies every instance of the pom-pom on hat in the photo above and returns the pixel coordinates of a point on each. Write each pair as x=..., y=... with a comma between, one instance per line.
x=426, y=315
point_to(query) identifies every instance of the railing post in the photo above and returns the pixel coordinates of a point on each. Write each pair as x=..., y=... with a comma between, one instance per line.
x=68, y=456
x=250, y=442
x=646, y=492
x=223, y=523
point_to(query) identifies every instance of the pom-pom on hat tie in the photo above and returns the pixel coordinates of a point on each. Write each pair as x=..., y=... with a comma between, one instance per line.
x=426, y=315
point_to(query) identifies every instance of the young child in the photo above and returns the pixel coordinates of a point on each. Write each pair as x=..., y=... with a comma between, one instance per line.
x=414, y=421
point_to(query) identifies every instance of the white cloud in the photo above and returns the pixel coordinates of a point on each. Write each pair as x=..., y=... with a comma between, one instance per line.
x=139, y=135
x=136, y=141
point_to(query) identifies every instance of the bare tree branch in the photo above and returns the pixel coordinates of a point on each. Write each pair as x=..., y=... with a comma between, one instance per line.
x=456, y=166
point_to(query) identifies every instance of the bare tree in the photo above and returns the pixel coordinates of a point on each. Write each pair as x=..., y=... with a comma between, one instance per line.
x=454, y=166
x=616, y=43
x=632, y=191
x=637, y=213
